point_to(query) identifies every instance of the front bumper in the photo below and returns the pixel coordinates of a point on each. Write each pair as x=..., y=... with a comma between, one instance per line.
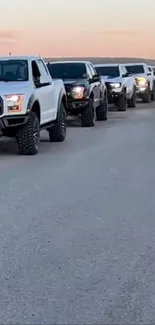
x=76, y=106
x=140, y=91
x=113, y=96
x=10, y=121
x=113, y=93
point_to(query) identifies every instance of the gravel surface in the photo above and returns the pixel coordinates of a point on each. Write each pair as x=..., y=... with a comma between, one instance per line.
x=77, y=225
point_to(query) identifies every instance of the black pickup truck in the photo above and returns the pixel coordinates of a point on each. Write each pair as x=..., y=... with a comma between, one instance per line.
x=86, y=92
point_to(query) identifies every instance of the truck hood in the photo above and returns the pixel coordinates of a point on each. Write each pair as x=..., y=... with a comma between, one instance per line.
x=140, y=75
x=72, y=83
x=14, y=87
x=111, y=79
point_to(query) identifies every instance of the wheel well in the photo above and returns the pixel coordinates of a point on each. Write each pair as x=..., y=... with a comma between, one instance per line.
x=64, y=101
x=36, y=109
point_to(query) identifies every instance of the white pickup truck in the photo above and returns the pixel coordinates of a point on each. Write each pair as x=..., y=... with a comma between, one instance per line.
x=120, y=84
x=29, y=102
x=145, y=81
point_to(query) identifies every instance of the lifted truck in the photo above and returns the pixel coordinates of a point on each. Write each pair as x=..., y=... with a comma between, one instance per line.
x=145, y=81
x=29, y=102
x=86, y=92
x=120, y=85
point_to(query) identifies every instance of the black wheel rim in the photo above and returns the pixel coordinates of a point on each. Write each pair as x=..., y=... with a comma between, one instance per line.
x=63, y=123
x=94, y=112
x=125, y=102
x=36, y=134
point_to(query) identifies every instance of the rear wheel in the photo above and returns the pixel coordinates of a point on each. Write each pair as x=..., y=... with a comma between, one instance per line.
x=88, y=115
x=28, y=136
x=102, y=110
x=57, y=133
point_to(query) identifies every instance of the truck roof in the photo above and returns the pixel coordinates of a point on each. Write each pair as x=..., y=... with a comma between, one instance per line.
x=13, y=57
x=107, y=64
x=84, y=62
x=136, y=63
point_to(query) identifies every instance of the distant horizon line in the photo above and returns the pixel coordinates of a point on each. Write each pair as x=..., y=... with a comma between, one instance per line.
x=102, y=58
x=99, y=57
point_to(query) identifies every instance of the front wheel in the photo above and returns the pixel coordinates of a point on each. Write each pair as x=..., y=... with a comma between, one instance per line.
x=122, y=103
x=88, y=115
x=102, y=110
x=147, y=96
x=132, y=100
x=153, y=93
x=28, y=136
x=57, y=133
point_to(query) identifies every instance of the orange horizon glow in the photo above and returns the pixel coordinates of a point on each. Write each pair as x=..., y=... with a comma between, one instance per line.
x=60, y=30
x=110, y=44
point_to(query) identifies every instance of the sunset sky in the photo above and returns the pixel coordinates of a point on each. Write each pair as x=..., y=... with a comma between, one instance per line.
x=78, y=27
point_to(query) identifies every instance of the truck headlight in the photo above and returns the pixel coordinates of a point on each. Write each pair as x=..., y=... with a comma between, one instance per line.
x=141, y=81
x=77, y=92
x=14, y=102
x=115, y=85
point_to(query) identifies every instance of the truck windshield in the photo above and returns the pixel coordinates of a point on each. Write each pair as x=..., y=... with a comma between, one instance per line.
x=134, y=69
x=13, y=70
x=67, y=70
x=110, y=71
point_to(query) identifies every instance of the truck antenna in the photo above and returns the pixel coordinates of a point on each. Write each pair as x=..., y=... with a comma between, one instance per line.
x=10, y=43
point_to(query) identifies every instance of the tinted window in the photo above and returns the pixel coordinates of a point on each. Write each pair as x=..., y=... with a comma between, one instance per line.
x=111, y=71
x=14, y=70
x=67, y=70
x=134, y=69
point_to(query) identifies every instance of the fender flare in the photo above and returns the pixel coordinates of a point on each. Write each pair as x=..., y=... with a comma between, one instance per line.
x=62, y=97
x=105, y=92
x=124, y=88
x=30, y=103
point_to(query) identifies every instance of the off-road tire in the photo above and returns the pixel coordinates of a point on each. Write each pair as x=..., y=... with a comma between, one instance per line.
x=88, y=115
x=57, y=133
x=28, y=136
x=147, y=96
x=102, y=110
x=122, y=103
x=132, y=101
x=153, y=92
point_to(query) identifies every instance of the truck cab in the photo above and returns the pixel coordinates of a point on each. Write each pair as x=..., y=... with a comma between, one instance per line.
x=145, y=81
x=120, y=84
x=86, y=92
x=30, y=101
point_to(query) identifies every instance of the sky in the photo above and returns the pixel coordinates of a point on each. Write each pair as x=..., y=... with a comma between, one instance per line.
x=66, y=28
